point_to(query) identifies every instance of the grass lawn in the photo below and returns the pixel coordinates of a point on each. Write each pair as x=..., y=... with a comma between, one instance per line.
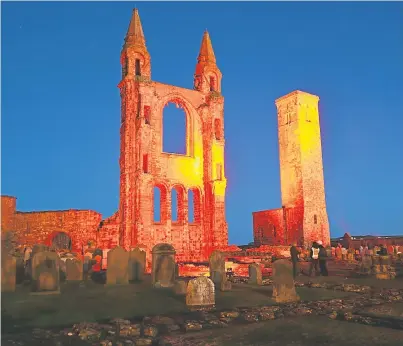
x=97, y=302
x=365, y=281
x=311, y=330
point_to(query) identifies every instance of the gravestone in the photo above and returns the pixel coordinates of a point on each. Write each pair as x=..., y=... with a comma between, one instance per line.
x=255, y=274
x=217, y=267
x=283, y=282
x=8, y=272
x=383, y=268
x=163, y=265
x=118, y=267
x=45, y=273
x=200, y=293
x=137, y=262
x=366, y=265
x=74, y=269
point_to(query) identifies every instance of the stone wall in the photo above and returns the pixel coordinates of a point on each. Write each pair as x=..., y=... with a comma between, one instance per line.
x=144, y=166
x=301, y=173
x=41, y=227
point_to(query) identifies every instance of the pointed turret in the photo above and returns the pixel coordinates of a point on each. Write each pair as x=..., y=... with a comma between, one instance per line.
x=135, y=58
x=207, y=77
x=206, y=53
x=135, y=34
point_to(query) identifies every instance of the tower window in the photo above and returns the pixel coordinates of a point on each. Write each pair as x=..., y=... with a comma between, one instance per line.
x=137, y=68
x=212, y=83
x=315, y=219
x=125, y=67
x=145, y=163
x=219, y=171
x=147, y=114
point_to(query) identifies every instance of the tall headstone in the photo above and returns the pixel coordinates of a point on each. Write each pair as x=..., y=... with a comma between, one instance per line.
x=45, y=273
x=74, y=269
x=255, y=274
x=200, y=293
x=217, y=267
x=163, y=265
x=283, y=282
x=137, y=263
x=8, y=273
x=118, y=267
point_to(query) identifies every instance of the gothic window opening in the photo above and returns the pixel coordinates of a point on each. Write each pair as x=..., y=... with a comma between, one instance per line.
x=137, y=67
x=191, y=218
x=174, y=129
x=147, y=114
x=145, y=163
x=212, y=84
x=217, y=129
x=219, y=171
x=62, y=241
x=157, y=204
x=125, y=67
x=315, y=219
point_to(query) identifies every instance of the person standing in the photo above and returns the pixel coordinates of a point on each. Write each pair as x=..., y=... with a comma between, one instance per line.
x=294, y=258
x=314, y=255
x=322, y=259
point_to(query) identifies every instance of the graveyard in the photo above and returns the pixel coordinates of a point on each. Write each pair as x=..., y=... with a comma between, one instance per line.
x=162, y=272
x=125, y=305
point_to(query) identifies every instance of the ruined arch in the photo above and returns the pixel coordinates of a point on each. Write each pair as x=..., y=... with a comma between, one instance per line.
x=191, y=119
x=61, y=241
x=159, y=205
x=174, y=130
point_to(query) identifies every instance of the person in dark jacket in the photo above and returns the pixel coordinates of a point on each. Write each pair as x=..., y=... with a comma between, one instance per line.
x=314, y=256
x=322, y=260
x=383, y=251
x=294, y=258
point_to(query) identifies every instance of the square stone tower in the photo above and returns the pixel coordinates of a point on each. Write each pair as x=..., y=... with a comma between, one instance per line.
x=301, y=168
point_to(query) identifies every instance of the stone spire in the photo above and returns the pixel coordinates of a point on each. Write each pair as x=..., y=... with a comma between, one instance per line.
x=206, y=54
x=135, y=35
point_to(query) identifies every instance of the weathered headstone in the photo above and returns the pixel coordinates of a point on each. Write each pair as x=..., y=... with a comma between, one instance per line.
x=383, y=269
x=366, y=264
x=74, y=269
x=45, y=273
x=283, y=282
x=217, y=267
x=8, y=273
x=137, y=262
x=200, y=293
x=163, y=265
x=118, y=267
x=255, y=274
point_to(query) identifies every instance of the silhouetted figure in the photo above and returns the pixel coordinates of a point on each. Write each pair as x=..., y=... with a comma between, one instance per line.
x=314, y=256
x=294, y=258
x=322, y=260
x=383, y=251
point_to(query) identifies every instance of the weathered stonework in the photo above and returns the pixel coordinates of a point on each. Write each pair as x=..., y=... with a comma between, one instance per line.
x=144, y=166
x=303, y=217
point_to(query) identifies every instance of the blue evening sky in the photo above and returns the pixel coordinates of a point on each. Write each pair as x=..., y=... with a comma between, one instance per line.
x=61, y=105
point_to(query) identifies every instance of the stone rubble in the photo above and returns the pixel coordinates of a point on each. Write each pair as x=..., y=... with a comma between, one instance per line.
x=151, y=328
